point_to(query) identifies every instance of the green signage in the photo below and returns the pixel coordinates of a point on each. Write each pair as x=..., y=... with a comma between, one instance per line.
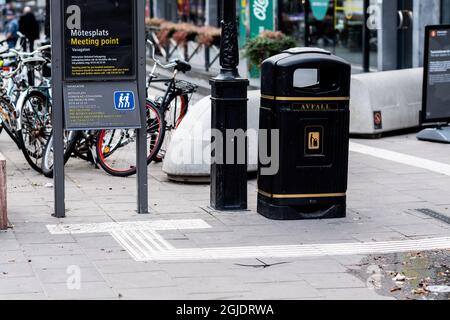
x=261, y=16
x=262, y=19
x=319, y=8
x=243, y=25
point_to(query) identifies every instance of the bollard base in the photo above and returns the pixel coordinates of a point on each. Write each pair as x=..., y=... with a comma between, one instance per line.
x=277, y=212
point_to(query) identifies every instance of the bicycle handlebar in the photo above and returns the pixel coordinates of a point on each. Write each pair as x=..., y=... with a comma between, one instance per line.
x=22, y=55
x=20, y=35
x=30, y=54
x=164, y=66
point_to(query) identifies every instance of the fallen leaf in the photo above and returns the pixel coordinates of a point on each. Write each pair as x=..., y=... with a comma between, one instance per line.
x=420, y=291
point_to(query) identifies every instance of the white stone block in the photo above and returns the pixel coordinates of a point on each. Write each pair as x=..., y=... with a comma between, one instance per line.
x=188, y=156
x=396, y=94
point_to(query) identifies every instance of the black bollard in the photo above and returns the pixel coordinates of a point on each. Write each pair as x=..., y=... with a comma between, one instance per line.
x=47, y=19
x=229, y=114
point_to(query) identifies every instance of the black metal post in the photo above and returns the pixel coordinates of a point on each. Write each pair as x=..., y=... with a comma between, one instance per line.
x=47, y=19
x=207, y=58
x=307, y=31
x=229, y=114
x=58, y=111
x=141, y=154
x=152, y=13
x=366, y=37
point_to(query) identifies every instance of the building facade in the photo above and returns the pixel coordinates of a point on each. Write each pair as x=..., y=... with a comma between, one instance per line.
x=371, y=34
x=199, y=12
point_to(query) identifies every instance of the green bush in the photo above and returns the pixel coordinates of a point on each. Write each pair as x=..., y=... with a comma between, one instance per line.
x=266, y=45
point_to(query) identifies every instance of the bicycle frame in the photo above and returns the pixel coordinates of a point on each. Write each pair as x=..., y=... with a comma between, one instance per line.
x=16, y=92
x=168, y=95
x=18, y=96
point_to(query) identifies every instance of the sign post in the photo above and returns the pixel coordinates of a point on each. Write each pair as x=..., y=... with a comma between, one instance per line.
x=98, y=77
x=436, y=84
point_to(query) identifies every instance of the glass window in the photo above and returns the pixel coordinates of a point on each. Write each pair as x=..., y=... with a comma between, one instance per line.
x=348, y=25
x=192, y=11
x=335, y=25
x=292, y=19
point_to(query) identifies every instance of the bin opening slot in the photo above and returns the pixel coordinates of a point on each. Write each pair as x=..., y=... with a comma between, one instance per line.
x=319, y=80
x=305, y=78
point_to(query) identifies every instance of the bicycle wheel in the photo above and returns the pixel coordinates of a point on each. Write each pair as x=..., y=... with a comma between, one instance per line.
x=174, y=115
x=85, y=147
x=70, y=139
x=116, y=149
x=35, y=128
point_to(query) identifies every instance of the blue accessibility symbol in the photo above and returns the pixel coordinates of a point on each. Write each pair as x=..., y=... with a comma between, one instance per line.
x=124, y=100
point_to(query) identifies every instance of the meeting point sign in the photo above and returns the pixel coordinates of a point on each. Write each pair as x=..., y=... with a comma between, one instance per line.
x=99, y=64
x=99, y=39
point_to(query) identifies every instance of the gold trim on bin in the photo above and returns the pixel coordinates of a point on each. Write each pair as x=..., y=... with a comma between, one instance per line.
x=305, y=98
x=302, y=196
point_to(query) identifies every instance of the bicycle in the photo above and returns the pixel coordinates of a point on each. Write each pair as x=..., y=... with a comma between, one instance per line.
x=163, y=117
x=26, y=122
x=114, y=150
x=176, y=100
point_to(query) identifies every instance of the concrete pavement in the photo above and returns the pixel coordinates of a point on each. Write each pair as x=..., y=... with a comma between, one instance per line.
x=384, y=196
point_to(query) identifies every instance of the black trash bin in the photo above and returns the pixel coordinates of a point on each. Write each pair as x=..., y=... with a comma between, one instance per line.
x=305, y=95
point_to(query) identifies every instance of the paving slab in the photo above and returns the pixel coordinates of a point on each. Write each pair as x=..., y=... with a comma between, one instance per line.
x=330, y=281
x=88, y=291
x=134, y=280
x=297, y=290
x=61, y=275
x=352, y=294
x=15, y=270
x=20, y=285
x=382, y=201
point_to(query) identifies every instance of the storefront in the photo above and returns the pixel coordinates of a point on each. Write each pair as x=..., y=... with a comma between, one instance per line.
x=371, y=34
x=393, y=38
x=198, y=12
x=336, y=25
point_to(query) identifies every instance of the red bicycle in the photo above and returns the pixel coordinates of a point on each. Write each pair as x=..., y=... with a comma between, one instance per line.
x=116, y=149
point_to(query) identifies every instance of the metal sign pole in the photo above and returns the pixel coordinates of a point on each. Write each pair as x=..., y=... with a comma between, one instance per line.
x=366, y=37
x=142, y=169
x=57, y=109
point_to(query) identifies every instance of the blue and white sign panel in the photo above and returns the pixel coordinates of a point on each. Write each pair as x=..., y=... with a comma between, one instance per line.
x=101, y=105
x=124, y=100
